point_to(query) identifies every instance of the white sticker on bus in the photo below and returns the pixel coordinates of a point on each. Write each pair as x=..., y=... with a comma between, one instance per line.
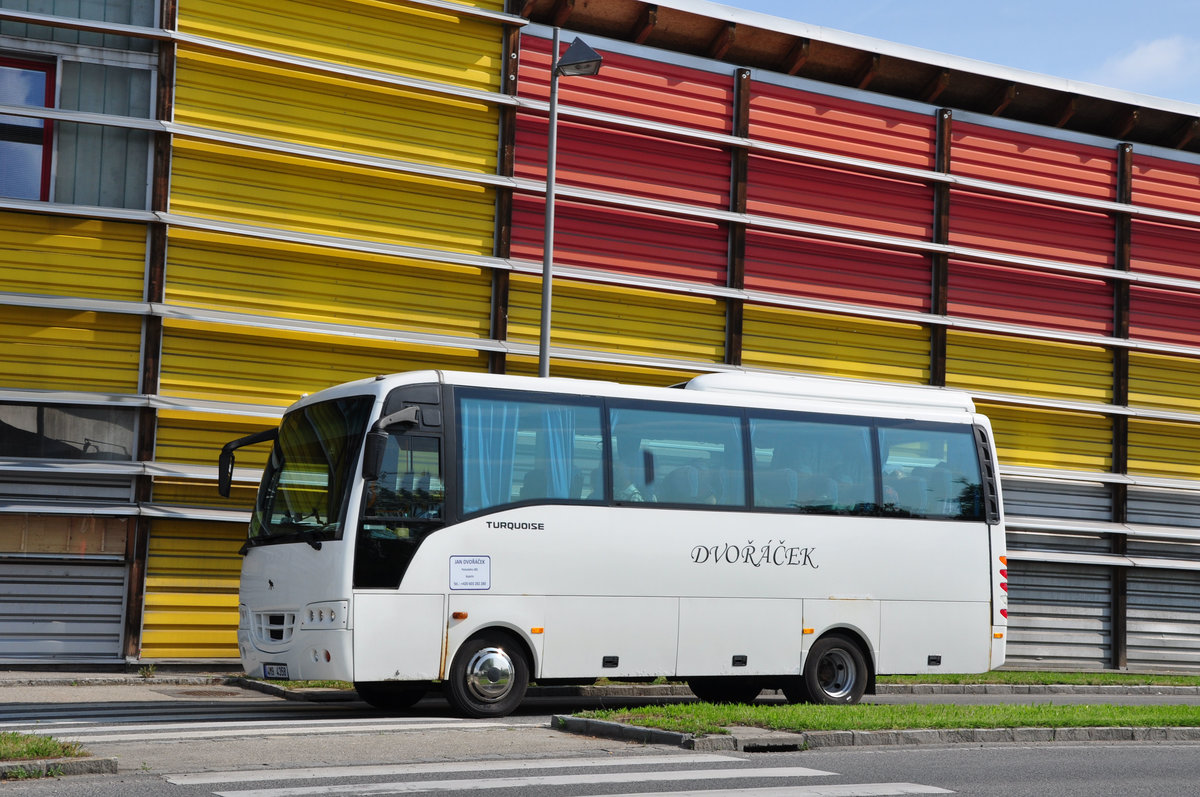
x=470, y=572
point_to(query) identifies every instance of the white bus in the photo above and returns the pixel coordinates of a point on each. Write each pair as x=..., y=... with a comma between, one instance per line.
x=476, y=532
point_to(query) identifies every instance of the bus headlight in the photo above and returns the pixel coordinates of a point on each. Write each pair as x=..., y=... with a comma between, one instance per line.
x=325, y=616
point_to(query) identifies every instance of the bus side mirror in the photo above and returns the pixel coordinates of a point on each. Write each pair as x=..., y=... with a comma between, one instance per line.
x=376, y=443
x=225, y=472
x=225, y=461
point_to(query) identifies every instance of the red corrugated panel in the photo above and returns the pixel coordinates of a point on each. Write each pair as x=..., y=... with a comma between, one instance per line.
x=1030, y=298
x=1034, y=161
x=626, y=163
x=838, y=198
x=840, y=272
x=844, y=127
x=1030, y=229
x=1166, y=184
x=632, y=86
x=1165, y=316
x=1165, y=249
x=623, y=240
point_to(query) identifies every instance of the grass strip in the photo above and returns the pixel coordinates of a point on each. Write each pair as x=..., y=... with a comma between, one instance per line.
x=24, y=746
x=310, y=684
x=706, y=718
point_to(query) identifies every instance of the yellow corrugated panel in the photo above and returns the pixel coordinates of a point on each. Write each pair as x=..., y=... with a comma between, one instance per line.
x=64, y=256
x=617, y=319
x=414, y=41
x=192, y=573
x=797, y=340
x=280, y=191
x=995, y=364
x=191, y=492
x=69, y=350
x=1170, y=383
x=1164, y=448
x=1038, y=438
x=274, y=278
x=263, y=366
x=265, y=100
x=195, y=438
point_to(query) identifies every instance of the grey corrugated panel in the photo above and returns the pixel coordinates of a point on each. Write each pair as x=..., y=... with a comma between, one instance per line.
x=1075, y=542
x=1159, y=507
x=70, y=486
x=1059, y=615
x=1164, y=549
x=1164, y=619
x=68, y=610
x=1057, y=499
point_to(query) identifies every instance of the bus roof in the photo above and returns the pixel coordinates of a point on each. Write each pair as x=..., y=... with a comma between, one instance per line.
x=818, y=393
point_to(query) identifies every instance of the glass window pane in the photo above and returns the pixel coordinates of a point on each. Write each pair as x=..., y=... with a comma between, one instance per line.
x=54, y=431
x=516, y=450
x=23, y=156
x=931, y=472
x=677, y=457
x=812, y=466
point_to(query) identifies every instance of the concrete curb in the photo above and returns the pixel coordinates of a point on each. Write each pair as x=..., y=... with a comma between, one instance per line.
x=54, y=767
x=761, y=740
x=314, y=695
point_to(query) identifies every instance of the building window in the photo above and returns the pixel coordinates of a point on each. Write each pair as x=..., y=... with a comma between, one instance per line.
x=51, y=431
x=25, y=143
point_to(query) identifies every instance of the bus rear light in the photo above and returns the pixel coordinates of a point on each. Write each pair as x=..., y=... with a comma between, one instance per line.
x=1004, y=613
x=998, y=635
x=328, y=656
x=1004, y=586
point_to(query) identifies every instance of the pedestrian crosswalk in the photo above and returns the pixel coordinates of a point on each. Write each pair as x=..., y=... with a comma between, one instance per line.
x=699, y=774
x=177, y=722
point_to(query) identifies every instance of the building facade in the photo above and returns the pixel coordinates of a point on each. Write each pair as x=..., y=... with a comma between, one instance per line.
x=209, y=208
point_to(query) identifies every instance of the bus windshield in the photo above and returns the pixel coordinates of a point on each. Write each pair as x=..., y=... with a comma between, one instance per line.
x=305, y=486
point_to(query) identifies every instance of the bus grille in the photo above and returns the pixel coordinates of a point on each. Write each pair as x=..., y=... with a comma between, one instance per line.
x=274, y=628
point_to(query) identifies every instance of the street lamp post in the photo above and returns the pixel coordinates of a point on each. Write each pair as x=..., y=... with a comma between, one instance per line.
x=579, y=59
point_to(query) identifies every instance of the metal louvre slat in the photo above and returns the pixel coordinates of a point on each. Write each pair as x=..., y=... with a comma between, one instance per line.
x=635, y=87
x=1039, y=162
x=1059, y=615
x=282, y=191
x=67, y=612
x=1164, y=315
x=1043, y=438
x=262, y=366
x=1164, y=448
x=795, y=340
x=613, y=239
x=72, y=257
x=802, y=266
x=608, y=318
x=1166, y=184
x=1164, y=620
x=1164, y=508
x=1067, y=500
x=994, y=364
x=419, y=42
x=64, y=350
x=1021, y=296
x=315, y=284
x=221, y=92
x=192, y=576
x=1165, y=249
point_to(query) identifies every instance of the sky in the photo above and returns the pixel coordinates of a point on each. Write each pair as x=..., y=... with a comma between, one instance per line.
x=1147, y=46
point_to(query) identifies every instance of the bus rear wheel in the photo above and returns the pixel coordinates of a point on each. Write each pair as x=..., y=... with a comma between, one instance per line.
x=835, y=672
x=390, y=695
x=724, y=690
x=488, y=677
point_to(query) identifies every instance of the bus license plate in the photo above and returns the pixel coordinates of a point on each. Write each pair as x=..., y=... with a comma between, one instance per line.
x=276, y=672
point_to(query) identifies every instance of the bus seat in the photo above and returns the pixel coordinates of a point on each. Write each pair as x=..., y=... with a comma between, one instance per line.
x=912, y=492
x=536, y=484
x=776, y=487
x=682, y=486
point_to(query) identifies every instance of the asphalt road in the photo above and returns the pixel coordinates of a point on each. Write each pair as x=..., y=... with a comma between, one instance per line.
x=191, y=740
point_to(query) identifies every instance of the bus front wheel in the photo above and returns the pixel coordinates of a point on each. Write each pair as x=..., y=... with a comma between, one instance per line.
x=834, y=672
x=488, y=677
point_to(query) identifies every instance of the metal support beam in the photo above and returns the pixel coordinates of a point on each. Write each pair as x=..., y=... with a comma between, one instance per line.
x=647, y=19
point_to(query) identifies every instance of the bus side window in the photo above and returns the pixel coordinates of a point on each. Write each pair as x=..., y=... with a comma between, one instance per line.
x=931, y=471
x=812, y=466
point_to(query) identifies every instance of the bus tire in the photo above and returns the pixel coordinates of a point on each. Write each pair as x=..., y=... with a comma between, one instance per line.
x=488, y=677
x=724, y=690
x=835, y=671
x=390, y=695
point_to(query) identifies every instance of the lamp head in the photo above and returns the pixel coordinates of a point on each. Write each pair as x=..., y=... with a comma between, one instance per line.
x=579, y=59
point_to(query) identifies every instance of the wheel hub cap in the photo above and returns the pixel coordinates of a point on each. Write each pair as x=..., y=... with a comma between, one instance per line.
x=490, y=674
